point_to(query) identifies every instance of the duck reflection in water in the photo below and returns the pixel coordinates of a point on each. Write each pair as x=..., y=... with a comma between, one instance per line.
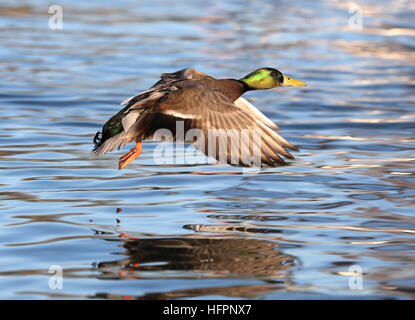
x=202, y=258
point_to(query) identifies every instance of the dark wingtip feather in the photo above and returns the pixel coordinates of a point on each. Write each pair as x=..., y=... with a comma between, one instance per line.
x=295, y=148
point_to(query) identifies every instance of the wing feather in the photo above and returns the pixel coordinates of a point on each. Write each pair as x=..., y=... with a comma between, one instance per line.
x=249, y=108
x=207, y=110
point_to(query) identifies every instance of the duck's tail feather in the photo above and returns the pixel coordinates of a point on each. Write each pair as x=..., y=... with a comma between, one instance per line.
x=98, y=139
x=103, y=146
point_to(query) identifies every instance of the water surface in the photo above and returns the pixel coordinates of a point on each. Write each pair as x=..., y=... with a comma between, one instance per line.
x=208, y=231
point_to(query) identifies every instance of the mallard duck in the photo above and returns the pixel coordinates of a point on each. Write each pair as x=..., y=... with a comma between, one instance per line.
x=200, y=102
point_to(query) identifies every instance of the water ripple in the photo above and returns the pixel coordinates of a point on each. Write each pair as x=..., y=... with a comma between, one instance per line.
x=189, y=231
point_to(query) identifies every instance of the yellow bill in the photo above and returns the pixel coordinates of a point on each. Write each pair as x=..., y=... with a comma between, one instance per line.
x=288, y=81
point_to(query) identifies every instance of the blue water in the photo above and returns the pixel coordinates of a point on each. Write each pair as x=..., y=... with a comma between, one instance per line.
x=155, y=231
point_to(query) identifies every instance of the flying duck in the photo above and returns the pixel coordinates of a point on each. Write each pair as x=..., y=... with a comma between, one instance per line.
x=204, y=104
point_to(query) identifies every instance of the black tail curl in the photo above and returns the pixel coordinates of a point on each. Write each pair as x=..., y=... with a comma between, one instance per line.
x=98, y=139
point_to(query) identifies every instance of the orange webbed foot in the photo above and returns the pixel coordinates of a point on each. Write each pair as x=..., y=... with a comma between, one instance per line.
x=126, y=159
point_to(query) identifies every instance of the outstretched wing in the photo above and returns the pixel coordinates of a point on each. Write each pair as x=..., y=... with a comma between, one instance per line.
x=222, y=129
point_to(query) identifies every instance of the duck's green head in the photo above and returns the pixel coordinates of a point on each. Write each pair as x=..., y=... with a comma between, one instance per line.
x=268, y=78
